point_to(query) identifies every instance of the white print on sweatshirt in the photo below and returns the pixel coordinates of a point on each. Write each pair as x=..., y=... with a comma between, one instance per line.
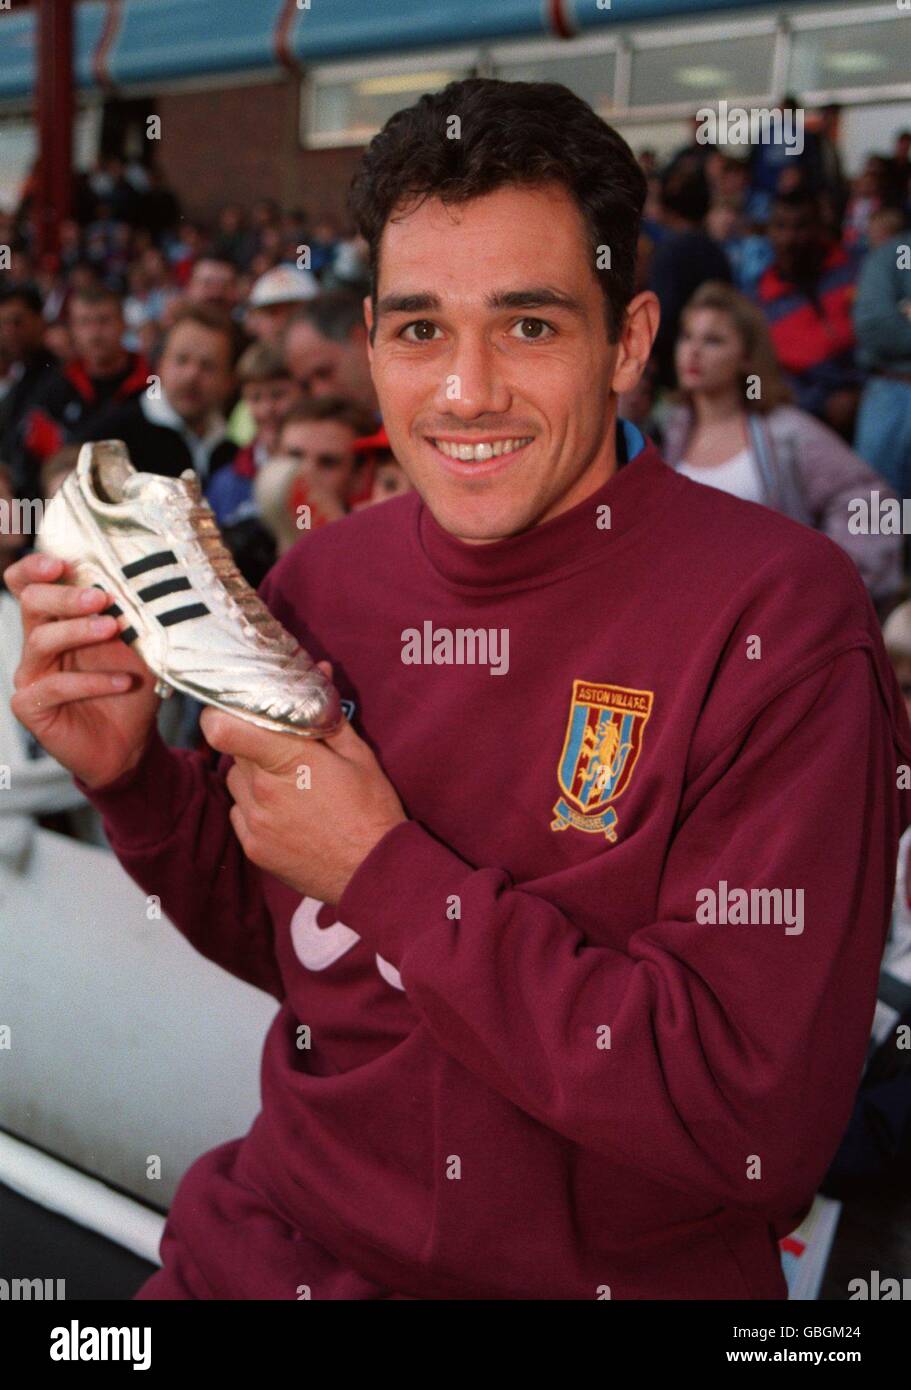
x=318, y=947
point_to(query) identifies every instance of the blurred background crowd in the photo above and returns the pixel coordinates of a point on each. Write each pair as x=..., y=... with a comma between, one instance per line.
x=206, y=347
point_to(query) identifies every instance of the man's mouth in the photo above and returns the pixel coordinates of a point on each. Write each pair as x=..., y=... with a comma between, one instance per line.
x=479, y=456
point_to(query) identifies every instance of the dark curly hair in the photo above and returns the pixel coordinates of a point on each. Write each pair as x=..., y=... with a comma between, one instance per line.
x=510, y=133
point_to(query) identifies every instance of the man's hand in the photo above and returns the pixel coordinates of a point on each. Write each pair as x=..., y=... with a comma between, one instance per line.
x=308, y=811
x=88, y=698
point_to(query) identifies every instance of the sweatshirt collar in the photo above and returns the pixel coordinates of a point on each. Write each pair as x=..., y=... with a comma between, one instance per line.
x=571, y=541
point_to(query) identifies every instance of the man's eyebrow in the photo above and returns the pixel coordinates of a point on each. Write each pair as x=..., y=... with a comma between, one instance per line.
x=408, y=303
x=535, y=297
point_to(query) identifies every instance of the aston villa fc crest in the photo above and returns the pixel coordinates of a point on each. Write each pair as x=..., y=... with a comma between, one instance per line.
x=603, y=739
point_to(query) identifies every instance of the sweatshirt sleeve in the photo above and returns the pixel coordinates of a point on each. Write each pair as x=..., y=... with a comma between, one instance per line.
x=833, y=477
x=734, y=1051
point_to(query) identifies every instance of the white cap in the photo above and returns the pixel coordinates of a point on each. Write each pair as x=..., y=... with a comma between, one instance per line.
x=284, y=284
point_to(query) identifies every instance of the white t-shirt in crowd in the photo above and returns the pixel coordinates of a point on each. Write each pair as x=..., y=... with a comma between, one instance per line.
x=738, y=475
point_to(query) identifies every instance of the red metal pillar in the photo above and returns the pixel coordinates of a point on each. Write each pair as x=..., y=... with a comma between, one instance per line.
x=55, y=120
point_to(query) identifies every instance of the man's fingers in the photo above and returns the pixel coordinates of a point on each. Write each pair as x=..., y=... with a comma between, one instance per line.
x=35, y=701
x=32, y=569
x=236, y=817
x=228, y=733
x=237, y=780
x=50, y=640
x=40, y=602
x=345, y=742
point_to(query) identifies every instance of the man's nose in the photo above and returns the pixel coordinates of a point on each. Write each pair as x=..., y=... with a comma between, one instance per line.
x=472, y=380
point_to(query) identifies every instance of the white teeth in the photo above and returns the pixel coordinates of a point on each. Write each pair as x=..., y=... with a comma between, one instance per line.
x=478, y=453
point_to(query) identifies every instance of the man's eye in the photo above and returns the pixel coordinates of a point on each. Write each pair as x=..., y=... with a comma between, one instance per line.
x=532, y=330
x=422, y=329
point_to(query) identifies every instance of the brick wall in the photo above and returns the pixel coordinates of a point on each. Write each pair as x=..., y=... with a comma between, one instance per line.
x=240, y=144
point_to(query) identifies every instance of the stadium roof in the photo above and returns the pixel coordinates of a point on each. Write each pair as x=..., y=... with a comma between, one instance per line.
x=121, y=43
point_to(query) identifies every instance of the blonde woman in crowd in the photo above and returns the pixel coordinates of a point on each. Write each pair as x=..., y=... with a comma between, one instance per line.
x=733, y=426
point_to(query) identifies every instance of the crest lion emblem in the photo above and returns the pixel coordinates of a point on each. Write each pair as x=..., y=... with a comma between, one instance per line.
x=600, y=750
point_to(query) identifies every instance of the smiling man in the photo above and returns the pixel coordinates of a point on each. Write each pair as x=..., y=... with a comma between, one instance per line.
x=543, y=1029
x=483, y=366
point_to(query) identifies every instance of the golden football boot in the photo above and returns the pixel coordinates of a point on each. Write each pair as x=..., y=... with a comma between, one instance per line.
x=154, y=544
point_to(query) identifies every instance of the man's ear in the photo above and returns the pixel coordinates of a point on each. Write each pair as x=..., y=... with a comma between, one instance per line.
x=368, y=320
x=643, y=314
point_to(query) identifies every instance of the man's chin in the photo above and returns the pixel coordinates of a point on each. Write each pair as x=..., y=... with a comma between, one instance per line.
x=476, y=524
x=477, y=510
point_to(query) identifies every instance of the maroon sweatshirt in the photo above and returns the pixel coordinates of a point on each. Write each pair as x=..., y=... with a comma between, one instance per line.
x=541, y=1048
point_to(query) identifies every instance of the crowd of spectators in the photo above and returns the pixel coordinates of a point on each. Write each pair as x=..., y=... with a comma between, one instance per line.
x=193, y=344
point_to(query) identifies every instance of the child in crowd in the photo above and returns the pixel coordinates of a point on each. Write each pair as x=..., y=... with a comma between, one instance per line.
x=381, y=475
x=269, y=391
x=389, y=480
